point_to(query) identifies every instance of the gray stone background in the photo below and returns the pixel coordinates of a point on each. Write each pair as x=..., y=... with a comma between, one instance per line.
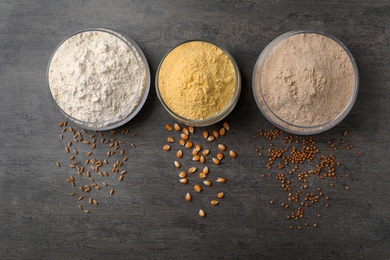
x=147, y=218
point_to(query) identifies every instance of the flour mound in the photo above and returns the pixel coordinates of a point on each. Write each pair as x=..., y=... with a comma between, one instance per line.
x=96, y=78
x=307, y=79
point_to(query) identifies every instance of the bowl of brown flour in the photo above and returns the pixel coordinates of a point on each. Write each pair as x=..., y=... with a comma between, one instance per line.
x=305, y=82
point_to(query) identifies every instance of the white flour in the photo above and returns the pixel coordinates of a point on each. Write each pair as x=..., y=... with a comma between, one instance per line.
x=95, y=78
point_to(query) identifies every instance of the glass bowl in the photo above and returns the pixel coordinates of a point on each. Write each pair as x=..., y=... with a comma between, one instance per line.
x=221, y=114
x=272, y=116
x=137, y=100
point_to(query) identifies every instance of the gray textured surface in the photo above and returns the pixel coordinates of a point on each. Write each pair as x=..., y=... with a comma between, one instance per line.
x=147, y=217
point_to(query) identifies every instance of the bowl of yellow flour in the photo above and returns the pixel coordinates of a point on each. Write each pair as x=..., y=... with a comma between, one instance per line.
x=198, y=83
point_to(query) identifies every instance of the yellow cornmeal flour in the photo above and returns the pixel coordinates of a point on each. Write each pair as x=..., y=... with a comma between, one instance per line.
x=197, y=80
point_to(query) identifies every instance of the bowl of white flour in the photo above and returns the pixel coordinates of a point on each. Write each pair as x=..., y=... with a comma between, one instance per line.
x=305, y=82
x=98, y=78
